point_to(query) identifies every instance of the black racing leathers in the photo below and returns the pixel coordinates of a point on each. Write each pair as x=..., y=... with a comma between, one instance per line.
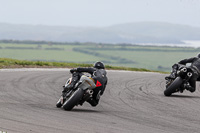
x=195, y=65
x=100, y=78
x=195, y=62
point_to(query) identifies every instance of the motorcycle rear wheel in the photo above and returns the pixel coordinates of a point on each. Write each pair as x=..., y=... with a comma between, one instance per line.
x=73, y=100
x=172, y=88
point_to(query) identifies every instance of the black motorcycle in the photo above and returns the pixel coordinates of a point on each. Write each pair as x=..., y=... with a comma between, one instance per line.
x=176, y=84
x=77, y=95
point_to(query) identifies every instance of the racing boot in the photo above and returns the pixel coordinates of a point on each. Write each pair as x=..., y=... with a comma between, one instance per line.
x=92, y=102
x=188, y=87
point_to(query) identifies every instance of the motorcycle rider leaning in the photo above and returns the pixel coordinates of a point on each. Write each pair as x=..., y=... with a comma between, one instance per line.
x=98, y=74
x=195, y=66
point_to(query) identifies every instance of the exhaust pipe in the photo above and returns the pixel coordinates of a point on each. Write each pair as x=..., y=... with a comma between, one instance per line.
x=189, y=74
x=90, y=92
x=184, y=70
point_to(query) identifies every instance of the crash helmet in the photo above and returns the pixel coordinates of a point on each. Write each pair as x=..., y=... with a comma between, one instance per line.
x=99, y=65
x=198, y=55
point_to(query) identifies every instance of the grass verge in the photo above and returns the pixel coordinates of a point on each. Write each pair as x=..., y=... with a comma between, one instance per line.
x=13, y=63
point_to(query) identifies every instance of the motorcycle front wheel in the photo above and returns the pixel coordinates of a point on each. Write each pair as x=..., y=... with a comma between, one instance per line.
x=58, y=104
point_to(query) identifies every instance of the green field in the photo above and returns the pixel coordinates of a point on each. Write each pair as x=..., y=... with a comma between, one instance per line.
x=148, y=57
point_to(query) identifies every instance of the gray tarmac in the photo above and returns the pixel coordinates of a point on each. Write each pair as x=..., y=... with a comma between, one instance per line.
x=133, y=102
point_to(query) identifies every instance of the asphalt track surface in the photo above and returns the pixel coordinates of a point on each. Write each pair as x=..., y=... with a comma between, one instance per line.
x=133, y=103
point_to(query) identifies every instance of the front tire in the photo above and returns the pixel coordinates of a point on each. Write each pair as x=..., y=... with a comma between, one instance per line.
x=73, y=99
x=58, y=104
x=172, y=88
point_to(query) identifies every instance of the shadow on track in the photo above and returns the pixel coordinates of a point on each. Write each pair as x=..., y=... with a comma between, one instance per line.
x=183, y=96
x=85, y=110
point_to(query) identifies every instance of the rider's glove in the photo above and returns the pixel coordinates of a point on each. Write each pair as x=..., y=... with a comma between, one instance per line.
x=73, y=70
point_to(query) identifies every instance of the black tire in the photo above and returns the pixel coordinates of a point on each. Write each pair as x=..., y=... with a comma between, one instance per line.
x=73, y=100
x=173, y=87
x=58, y=104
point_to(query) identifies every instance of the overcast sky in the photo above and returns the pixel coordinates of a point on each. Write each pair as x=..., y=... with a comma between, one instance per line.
x=99, y=12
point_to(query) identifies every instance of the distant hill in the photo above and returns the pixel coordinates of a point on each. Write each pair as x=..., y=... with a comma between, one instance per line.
x=141, y=32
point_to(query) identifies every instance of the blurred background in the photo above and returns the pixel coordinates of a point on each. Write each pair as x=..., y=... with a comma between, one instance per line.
x=151, y=34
